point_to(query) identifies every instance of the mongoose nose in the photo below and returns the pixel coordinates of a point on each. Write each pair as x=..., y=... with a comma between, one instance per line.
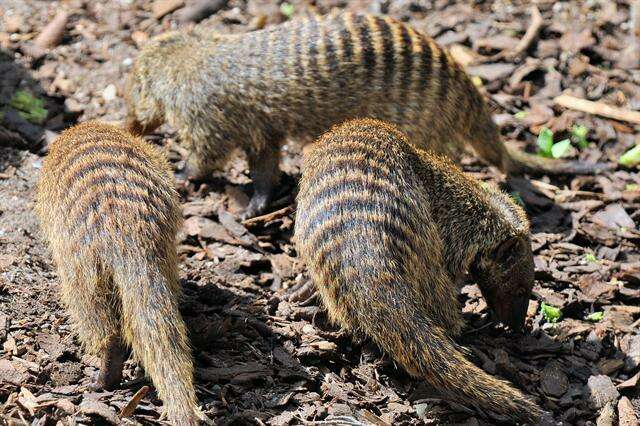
x=517, y=314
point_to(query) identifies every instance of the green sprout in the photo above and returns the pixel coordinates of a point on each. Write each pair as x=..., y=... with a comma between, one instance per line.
x=546, y=147
x=521, y=114
x=631, y=187
x=579, y=135
x=631, y=158
x=590, y=258
x=561, y=149
x=595, y=316
x=287, y=9
x=550, y=313
x=29, y=107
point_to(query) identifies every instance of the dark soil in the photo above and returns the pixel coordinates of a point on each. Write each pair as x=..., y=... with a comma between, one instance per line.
x=266, y=354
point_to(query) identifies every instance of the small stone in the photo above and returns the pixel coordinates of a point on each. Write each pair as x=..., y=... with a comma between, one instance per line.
x=600, y=390
x=109, y=93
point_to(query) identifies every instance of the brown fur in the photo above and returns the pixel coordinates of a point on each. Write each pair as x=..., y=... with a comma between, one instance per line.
x=387, y=232
x=110, y=215
x=252, y=91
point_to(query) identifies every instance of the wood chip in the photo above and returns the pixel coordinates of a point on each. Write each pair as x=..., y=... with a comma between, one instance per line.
x=161, y=8
x=201, y=10
x=127, y=410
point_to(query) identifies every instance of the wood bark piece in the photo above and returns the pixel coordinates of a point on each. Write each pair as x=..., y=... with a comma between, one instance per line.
x=127, y=410
x=52, y=33
x=598, y=108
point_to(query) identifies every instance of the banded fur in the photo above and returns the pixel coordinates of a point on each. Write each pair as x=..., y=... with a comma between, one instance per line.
x=110, y=215
x=297, y=79
x=378, y=224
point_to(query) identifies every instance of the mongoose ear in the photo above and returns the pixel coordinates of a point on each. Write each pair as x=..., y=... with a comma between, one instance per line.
x=506, y=250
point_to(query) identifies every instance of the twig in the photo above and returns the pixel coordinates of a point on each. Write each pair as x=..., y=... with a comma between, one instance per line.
x=267, y=217
x=598, y=108
x=530, y=35
x=463, y=55
x=127, y=410
x=52, y=33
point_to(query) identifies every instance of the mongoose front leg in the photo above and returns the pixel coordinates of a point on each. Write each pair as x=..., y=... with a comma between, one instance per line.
x=263, y=164
x=113, y=358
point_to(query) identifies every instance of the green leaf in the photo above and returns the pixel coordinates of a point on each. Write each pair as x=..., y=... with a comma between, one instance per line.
x=631, y=187
x=579, y=133
x=29, y=107
x=561, y=149
x=287, y=9
x=590, y=258
x=631, y=158
x=595, y=316
x=550, y=313
x=521, y=114
x=545, y=142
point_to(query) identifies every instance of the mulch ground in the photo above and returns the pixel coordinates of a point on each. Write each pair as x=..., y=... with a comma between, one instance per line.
x=265, y=353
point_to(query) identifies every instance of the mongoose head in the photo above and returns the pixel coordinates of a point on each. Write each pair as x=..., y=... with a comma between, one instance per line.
x=505, y=275
x=144, y=111
x=144, y=114
x=504, y=270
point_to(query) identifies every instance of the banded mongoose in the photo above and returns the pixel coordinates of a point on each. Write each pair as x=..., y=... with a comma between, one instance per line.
x=295, y=80
x=386, y=231
x=110, y=215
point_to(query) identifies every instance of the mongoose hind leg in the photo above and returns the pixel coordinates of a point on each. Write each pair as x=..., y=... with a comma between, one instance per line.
x=111, y=364
x=265, y=173
x=89, y=295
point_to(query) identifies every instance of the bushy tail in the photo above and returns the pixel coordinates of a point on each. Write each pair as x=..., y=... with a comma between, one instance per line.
x=154, y=329
x=519, y=162
x=425, y=351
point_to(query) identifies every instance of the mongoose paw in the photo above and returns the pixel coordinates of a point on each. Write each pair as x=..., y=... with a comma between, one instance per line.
x=257, y=206
x=102, y=383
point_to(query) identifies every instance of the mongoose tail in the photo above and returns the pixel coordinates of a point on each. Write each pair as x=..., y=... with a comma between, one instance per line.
x=518, y=162
x=154, y=329
x=425, y=351
x=486, y=140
